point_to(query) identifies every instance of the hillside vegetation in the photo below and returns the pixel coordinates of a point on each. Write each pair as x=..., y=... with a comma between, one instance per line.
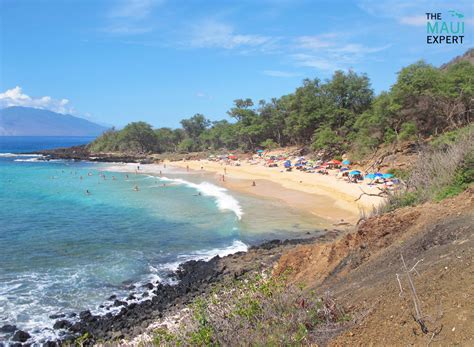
x=330, y=117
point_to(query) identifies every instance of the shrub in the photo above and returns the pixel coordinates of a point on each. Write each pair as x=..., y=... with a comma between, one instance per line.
x=269, y=144
x=408, y=131
x=259, y=310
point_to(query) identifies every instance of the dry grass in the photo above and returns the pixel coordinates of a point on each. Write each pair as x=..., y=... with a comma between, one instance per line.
x=261, y=310
x=436, y=171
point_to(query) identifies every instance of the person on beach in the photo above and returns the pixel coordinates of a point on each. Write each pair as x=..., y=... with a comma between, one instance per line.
x=225, y=171
x=161, y=175
x=138, y=167
x=254, y=184
x=187, y=167
x=223, y=178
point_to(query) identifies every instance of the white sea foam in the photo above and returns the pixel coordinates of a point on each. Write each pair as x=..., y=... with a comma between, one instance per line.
x=224, y=201
x=235, y=247
x=38, y=160
x=13, y=155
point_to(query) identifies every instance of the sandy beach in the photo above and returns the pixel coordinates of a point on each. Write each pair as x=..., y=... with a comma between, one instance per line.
x=321, y=195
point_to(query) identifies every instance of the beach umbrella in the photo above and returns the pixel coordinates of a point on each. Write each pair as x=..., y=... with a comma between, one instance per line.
x=232, y=157
x=260, y=151
x=378, y=174
x=387, y=175
x=346, y=162
x=287, y=164
x=354, y=172
x=334, y=162
x=370, y=176
x=344, y=168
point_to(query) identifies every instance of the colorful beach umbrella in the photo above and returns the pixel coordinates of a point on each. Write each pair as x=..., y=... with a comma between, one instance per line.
x=387, y=175
x=346, y=162
x=354, y=172
x=370, y=176
x=334, y=162
x=378, y=174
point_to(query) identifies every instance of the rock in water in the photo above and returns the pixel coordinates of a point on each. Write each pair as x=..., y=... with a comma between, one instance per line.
x=21, y=336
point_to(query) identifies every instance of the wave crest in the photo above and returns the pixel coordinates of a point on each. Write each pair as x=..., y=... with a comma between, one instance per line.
x=224, y=201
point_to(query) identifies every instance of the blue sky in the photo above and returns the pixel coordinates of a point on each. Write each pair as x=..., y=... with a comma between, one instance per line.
x=163, y=60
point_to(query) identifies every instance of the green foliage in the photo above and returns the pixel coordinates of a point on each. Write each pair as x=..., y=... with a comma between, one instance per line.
x=269, y=144
x=325, y=138
x=463, y=178
x=442, y=171
x=399, y=173
x=257, y=310
x=335, y=115
x=408, y=131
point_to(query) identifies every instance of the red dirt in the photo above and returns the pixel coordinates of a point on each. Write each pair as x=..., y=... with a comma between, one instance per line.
x=360, y=270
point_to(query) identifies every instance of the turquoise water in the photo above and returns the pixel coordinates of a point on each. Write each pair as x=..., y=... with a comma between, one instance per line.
x=63, y=250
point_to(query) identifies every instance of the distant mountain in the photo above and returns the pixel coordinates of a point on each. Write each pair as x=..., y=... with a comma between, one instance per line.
x=27, y=121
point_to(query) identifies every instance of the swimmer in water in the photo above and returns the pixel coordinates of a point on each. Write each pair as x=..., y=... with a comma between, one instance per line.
x=136, y=188
x=88, y=192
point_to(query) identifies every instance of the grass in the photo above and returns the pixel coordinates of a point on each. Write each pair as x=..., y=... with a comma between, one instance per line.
x=258, y=310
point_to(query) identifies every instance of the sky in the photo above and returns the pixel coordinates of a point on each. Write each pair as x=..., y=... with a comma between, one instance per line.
x=160, y=61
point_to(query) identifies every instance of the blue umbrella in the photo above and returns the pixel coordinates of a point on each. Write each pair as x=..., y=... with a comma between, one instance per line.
x=354, y=172
x=260, y=151
x=346, y=162
x=370, y=176
x=287, y=163
x=344, y=169
x=387, y=175
x=378, y=174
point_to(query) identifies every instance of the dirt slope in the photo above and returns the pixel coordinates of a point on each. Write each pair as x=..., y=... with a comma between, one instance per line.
x=361, y=269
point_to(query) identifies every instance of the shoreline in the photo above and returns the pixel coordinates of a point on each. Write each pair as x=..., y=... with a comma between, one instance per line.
x=194, y=278
x=325, y=197
x=337, y=192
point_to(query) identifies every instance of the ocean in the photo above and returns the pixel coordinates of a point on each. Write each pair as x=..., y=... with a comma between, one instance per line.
x=64, y=250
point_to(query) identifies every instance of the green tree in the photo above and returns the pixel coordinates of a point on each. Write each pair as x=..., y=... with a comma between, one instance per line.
x=137, y=137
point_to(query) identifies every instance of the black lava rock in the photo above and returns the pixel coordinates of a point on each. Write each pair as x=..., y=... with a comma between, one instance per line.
x=21, y=336
x=8, y=328
x=62, y=324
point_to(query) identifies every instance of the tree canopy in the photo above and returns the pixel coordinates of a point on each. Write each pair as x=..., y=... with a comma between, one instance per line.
x=335, y=115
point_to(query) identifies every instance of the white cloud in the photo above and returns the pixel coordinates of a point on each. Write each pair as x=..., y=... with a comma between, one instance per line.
x=278, y=73
x=316, y=42
x=16, y=97
x=130, y=17
x=314, y=61
x=126, y=29
x=331, y=51
x=133, y=8
x=212, y=34
x=413, y=20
